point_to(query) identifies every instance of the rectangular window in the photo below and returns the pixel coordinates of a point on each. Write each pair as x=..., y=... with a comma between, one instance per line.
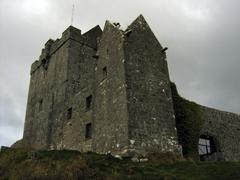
x=88, y=102
x=69, y=113
x=206, y=146
x=104, y=71
x=88, y=132
x=52, y=100
x=40, y=105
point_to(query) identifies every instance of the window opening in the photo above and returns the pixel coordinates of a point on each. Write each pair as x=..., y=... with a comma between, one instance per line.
x=88, y=102
x=104, y=70
x=88, y=132
x=40, y=105
x=69, y=113
x=206, y=146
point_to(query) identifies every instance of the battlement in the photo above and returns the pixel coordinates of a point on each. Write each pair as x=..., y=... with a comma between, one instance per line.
x=71, y=33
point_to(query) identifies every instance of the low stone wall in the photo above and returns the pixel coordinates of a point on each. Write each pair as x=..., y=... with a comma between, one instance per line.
x=224, y=127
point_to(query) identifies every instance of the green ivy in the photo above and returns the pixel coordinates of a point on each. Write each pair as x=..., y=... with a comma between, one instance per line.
x=188, y=121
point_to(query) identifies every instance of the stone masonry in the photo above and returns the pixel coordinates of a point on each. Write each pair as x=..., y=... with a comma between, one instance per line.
x=109, y=92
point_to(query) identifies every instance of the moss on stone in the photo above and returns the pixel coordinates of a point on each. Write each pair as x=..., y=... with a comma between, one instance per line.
x=188, y=121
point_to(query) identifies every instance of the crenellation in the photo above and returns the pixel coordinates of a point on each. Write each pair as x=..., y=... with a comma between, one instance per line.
x=34, y=67
x=49, y=43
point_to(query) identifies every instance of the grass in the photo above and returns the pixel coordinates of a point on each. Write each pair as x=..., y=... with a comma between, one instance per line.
x=21, y=164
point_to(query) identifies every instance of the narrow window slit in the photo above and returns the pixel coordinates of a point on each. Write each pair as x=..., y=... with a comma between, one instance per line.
x=88, y=102
x=88, y=132
x=40, y=107
x=69, y=113
x=104, y=71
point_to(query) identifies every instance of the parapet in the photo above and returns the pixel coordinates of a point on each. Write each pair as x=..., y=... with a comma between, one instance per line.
x=89, y=39
x=72, y=32
x=34, y=66
x=46, y=51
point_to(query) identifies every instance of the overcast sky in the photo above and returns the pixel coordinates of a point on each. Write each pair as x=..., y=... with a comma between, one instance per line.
x=203, y=39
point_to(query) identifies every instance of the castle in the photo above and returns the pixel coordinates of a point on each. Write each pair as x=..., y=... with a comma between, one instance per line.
x=109, y=92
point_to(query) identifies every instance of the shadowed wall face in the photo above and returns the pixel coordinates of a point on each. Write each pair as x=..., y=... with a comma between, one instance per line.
x=62, y=79
x=47, y=88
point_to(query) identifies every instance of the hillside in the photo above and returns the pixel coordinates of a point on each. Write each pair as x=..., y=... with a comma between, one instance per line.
x=21, y=164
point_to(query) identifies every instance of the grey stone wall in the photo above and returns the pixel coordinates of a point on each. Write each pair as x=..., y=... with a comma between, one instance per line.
x=133, y=104
x=48, y=82
x=151, y=116
x=110, y=105
x=61, y=79
x=80, y=86
x=224, y=127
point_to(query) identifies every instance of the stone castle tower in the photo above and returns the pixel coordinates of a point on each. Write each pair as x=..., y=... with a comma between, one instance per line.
x=101, y=91
x=108, y=91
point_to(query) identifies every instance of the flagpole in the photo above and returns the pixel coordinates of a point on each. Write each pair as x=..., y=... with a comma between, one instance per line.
x=72, y=14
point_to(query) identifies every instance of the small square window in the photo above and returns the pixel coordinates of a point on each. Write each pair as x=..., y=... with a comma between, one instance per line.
x=88, y=102
x=206, y=146
x=104, y=71
x=40, y=105
x=88, y=132
x=69, y=113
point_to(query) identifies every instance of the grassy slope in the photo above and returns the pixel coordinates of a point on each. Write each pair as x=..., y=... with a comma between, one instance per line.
x=20, y=164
